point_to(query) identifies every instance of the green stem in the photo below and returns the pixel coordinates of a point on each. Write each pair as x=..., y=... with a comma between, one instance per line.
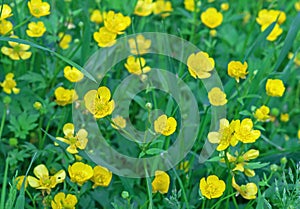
x=3, y=121
x=203, y=203
x=182, y=189
x=31, y=198
x=149, y=189
x=3, y=193
x=18, y=26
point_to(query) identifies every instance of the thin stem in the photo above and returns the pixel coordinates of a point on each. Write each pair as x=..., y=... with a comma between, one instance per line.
x=3, y=193
x=149, y=189
x=3, y=121
x=182, y=189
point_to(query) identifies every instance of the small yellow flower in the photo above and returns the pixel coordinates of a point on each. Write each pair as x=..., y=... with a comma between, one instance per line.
x=277, y=31
x=200, y=65
x=37, y=105
x=36, y=29
x=5, y=12
x=213, y=33
x=297, y=6
x=217, y=97
x=164, y=125
x=20, y=180
x=136, y=65
x=162, y=7
x=65, y=40
x=5, y=27
x=118, y=122
x=18, y=51
x=161, y=182
x=65, y=96
x=237, y=70
x=73, y=74
x=143, y=8
x=116, y=22
x=96, y=16
x=143, y=45
x=262, y=113
x=189, y=5
x=99, y=102
x=211, y=18
x=225, y=136
x=61, y=201
x=247, y=191
x=275, y=87
x=225, y=6
x=104, y=37
x=38, y=8
x=244, y=131
x=9, y=84
x=80, y=173
x=43, y=180
x=284, y=117
x=212, y=187
x=102, y=176
x=267, y=17
x=79, y=141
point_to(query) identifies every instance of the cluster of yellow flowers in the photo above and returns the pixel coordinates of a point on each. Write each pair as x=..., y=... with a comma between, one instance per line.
x=147, y=7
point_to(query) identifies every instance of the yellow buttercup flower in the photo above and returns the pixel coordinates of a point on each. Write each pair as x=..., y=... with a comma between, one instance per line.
x=136, y=65
x=244, y=131
x=189, y=5
x=143, y=8
x=277, y=31
x=142, y=43
x=96, y=16
x=116, y=22
x=275, y=87
x=20, y=180
x=99, y=102
x=118, y=122
x=247, y=191
x=9, y=84
x=18, y=51
x=65, y=96
x=211, y=18
x=213, y=187
x=36, y=29
x=237, y=70
x=284, y=117
x=164, y=125
x=267, y=17
x=225, y=136
x=262, y=113
x=37, y=105
x=161, y=182
x=104, y=37
x=200, y=65
x=162, y=7
x=217, y=97
x=38, y=8
x=102, y=176
x=73, y=74
x=80, y=173
x=225, y=6
x=5, y=27
x=43, y=180
x=297, y=6
x=5, y=11
x=79, y=141
x=65, y=40
x=62, y=201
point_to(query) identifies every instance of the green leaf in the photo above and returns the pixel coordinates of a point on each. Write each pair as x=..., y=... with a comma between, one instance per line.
x=256, y=165
x=154, y=151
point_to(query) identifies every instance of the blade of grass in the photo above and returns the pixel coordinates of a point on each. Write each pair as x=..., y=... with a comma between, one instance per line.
x=3, y=192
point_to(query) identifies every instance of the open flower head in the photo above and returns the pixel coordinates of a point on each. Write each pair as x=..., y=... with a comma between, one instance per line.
x=73, y=74
x=78, y=141
x=65, y=40
x=104, y=37
x=189, y=5
x=262, y=113
x=200, y=65
x=61, y=201
x=212, y=187
x=284, y=117
x=217, y=97
x=36, y=29
x=237, y=70
x=164, y=125
x=5, y=12
x=162, y=7
x=142, y=43
x=65, y=96
x=161, y=182
x=80, y=173
x=118, y=122
x=225, y=136
x=9, y=85
x=116, y=22
x=275, y=87
x=96, y=16
x=247, y=191
x=17, y=51
x=102, y=176
x=5, y=27
x=37, y=8
x=211, y=18
x=98, y=102
x=267, y=17
x=143, y=8
x=136, y=65
x=245, y=133
x=43, y=181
